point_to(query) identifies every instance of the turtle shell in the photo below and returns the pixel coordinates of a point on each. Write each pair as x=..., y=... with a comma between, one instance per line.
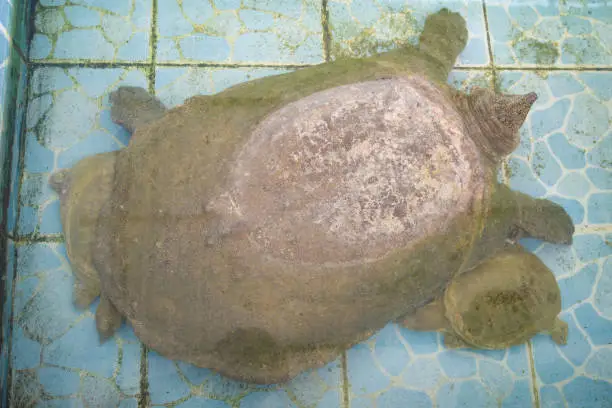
x=311, y=221
x=504, y=301
x=352, y=173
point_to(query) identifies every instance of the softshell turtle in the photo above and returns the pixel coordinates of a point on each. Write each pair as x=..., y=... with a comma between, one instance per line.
x=262, y=230
x=502, y=302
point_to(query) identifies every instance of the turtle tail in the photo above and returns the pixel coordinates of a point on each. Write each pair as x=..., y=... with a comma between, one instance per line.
x=59, y=181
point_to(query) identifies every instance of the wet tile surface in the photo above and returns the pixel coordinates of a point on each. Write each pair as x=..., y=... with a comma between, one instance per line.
x=565, y=33
x=565, y=146
x=564, y=156
x=175, y=84
x=93, y=30
x=271, y=31
x=68, y=118
x=398, y=365
x=579, y=372
x=56, y=354
x=175, y=383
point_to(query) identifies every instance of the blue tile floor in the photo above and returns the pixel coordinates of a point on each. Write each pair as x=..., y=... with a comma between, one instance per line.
x=84, y=49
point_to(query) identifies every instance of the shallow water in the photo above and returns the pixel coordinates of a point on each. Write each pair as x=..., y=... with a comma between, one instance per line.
x=82, y=50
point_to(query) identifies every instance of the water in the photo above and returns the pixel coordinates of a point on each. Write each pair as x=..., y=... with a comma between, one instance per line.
x=83, y=50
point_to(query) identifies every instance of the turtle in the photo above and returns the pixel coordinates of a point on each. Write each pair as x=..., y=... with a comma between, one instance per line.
x=502, y=302
x=261, y=231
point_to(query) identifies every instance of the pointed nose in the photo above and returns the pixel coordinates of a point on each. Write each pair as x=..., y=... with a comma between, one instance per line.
x=530, y=98
x=512, y=110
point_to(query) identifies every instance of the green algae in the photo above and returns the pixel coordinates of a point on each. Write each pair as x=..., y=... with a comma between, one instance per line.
x=541, y=52
x=394, y=30
x=26, y=391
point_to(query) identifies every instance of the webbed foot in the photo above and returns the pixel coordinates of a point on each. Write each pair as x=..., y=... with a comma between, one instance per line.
x=132, y=107
x=545, y=220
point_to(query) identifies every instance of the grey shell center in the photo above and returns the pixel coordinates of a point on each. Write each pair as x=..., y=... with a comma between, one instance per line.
x=353, y=172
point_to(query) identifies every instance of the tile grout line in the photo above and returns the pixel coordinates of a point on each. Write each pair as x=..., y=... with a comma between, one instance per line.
x=534, y=381
x=19, y=164
x=346, y=401
x=7, y=386
x=196, y=64
x=146, y=64
x=503, y=165
x=153, y=47
x=38, y=239
x=144, y=400
x=539, y=68
x=144, y=397
x=7, y=285
x=326, y=31
x=9, y=373
x=489, y=46
x=8, y=277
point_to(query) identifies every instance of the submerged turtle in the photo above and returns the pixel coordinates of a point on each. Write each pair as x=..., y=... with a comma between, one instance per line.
x=262, y=230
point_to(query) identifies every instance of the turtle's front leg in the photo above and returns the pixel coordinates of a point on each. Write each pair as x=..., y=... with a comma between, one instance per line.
x=543, y=219
x=513, y=215
x=132, y=107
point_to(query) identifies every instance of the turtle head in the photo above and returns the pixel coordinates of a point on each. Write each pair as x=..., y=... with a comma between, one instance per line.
x=498, y=118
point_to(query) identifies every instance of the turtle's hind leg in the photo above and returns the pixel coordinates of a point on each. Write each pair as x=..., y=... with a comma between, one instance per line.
x=108, y=318
x=85, y=291
x=430, y=317
x=444, y=37
x=132, y=107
